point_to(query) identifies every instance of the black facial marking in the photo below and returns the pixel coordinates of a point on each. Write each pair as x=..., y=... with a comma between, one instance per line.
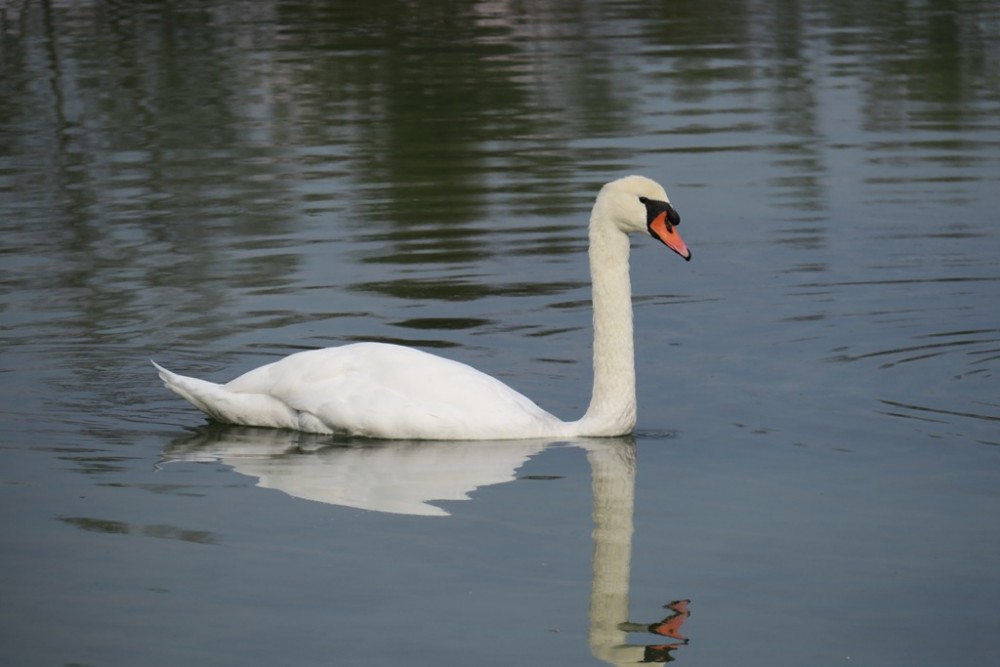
x=655, y=207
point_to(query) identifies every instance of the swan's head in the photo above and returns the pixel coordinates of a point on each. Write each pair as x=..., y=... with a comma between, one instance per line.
x=636, y=204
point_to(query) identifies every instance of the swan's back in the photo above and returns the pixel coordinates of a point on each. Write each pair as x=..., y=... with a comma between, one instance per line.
x=377, y=390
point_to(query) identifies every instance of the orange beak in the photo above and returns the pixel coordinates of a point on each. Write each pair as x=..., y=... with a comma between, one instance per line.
x=661, y=228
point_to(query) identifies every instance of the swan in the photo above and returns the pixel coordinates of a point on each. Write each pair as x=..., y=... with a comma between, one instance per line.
x=389, y=391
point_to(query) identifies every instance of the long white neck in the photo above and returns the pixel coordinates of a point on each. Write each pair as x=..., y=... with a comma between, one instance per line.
x=612, y=404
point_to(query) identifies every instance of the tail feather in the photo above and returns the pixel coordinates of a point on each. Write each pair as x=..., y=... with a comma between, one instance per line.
x=227, y=406
x=200, y=393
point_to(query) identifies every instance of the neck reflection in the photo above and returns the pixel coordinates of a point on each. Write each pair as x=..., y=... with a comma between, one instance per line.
x=612, y=469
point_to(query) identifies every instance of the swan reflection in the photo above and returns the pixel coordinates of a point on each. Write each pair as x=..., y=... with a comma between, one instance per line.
x=397, y=476
x=405, y=477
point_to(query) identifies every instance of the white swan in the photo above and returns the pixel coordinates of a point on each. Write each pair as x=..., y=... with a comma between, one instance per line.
x=389, y=391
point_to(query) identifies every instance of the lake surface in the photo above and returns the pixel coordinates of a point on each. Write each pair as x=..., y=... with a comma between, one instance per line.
x=816, y=467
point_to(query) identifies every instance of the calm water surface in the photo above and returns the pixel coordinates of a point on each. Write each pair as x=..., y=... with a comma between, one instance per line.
x=217, y=184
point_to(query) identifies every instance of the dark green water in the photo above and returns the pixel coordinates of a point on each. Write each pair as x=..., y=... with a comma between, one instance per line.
x=217, y=184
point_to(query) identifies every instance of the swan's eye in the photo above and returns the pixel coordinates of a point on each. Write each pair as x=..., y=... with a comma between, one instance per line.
x=644, y=200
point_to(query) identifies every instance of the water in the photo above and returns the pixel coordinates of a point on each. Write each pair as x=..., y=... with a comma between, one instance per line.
x=218, y=184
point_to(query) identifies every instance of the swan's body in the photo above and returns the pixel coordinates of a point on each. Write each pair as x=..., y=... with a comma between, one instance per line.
x=371, y=389
x=390, y=391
